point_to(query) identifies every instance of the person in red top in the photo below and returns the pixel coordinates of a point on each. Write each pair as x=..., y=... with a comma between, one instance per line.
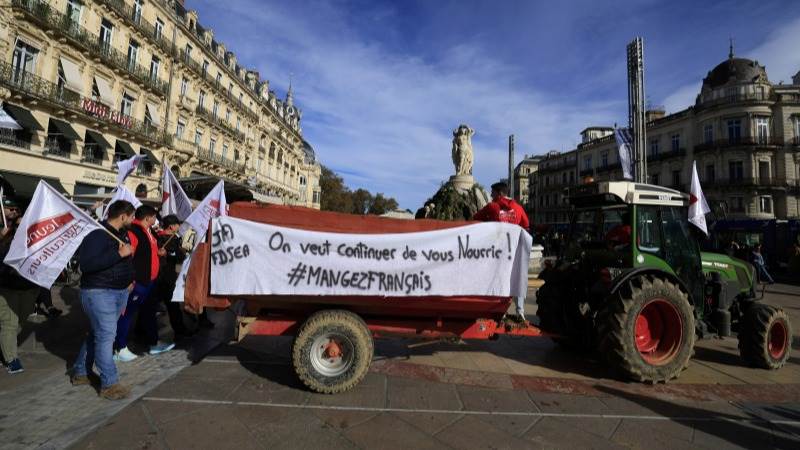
x=620, y=235
x=145, y=265
x=505, y=209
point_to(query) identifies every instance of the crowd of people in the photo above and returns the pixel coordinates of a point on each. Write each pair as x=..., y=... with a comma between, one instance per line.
x=128, y=273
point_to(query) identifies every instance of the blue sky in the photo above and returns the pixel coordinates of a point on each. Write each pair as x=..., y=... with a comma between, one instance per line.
x=382, y=84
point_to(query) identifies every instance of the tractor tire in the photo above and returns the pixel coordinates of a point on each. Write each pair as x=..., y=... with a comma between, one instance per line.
x=765, y=337
x=576, y=333
x=332, y=351
x=647, y=330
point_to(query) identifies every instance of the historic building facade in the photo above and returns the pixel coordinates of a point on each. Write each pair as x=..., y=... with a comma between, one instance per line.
x=522, y=175
x=92, y=82
x=743, y=131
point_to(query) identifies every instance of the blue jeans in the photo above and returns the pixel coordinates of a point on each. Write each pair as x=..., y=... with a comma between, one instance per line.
x=137, y=299
x=103, y=307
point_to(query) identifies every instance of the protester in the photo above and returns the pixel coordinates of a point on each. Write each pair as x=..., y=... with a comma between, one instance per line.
x=170, y=241
x=146, y=265
x=106, y=280
x=760, y=265
x=44, y=304
x=504, y=209
x=17, y=294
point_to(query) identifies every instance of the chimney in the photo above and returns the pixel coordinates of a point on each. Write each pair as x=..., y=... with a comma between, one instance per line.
x=654, y=113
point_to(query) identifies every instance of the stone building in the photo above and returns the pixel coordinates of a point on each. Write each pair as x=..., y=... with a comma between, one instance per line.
x=743, y=131
x=522, y=174
x=92, y=82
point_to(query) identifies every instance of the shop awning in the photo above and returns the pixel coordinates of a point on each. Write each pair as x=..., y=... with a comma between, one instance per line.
x=104, y=88
x=23, y=117
x=72, y=75
x=25, y=184
x=124, y=148
x=98, y=138
x=152, y=111
x=150, y=155
x=65, y=129
x=7, y=122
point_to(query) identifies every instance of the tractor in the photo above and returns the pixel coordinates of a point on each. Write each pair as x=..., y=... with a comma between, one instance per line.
x=632, y=285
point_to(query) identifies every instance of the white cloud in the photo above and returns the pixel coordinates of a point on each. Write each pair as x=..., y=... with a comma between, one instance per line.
x=682, y=98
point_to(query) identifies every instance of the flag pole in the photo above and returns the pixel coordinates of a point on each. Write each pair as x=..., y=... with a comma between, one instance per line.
x=167, y=242
x=2, y=209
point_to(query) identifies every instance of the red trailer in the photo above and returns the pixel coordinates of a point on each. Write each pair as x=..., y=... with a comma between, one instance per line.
x=333, y=345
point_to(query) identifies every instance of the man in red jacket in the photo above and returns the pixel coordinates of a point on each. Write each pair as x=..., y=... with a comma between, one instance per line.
x=505, y=209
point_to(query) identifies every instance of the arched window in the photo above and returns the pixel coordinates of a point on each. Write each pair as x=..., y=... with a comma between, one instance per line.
x=141, y=190
x=176, y=170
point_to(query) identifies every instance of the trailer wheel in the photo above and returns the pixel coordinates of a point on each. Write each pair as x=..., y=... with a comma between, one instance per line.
x=765, y=336
x=332, y=351
x=647, y=330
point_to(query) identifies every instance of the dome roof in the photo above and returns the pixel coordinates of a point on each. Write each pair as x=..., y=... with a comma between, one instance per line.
x=735, y=70
x=311, y=156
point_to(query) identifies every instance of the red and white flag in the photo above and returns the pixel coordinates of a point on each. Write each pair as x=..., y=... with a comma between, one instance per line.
x=51, y=230
x=173, y=199
x=698, y=207
x=214, y=205
x=122, y=193
x=126, y=167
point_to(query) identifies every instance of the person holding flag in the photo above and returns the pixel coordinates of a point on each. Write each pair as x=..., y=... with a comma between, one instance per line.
x=174, y=200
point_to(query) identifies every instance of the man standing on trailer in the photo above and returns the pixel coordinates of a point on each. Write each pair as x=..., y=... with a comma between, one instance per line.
x=505, y=209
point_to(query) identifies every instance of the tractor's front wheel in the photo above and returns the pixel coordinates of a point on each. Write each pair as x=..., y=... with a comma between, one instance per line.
x=647, y=330
x=765, y=336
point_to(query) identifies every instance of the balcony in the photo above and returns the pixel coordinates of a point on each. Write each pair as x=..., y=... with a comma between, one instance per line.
x=50, y=19
x=12, y=141
x=92, y=154
x=738, y=142
x=218, y=122
x=209, y=156
x=660, y=156
x=736, y=99
x=609, y=168
x=753, y=182
x=144, y=27
x=53, y=147
x=31, y=85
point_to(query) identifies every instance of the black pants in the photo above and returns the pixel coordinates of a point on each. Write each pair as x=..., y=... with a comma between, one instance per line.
x=174, y=309
x=45, y=298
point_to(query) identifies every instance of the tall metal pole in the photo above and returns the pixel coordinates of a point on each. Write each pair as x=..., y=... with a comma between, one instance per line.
x=636, y=108
x=511, y=166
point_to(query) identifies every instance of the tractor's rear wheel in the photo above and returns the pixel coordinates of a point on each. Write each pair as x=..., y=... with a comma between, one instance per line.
x=647, y=330
x=332, y=351
x=765, y=336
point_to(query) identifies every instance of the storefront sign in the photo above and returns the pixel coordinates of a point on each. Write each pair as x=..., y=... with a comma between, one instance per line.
x=104, y=112
x=99, y=176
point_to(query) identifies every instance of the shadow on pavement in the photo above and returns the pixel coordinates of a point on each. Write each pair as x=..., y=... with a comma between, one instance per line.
x=726, y=427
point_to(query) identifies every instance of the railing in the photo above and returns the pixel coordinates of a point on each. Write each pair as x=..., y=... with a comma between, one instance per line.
x=143, y=170
x=13, y=141
x=211, y=118
x=37, y=87
x=216, y=87
x=47, y=17
x=586, y=172
x=737, y=142
x=140, y=24
x=92, y=154
x=660, y=156
x=53, y=148
x=752, y=182
x=736, y=98
x=209, y=156
x=610, y=167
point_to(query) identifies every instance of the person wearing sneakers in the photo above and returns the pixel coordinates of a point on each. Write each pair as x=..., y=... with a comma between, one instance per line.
x=505, y=209
x=146, y=254
x=17, y=294
x=106, y=279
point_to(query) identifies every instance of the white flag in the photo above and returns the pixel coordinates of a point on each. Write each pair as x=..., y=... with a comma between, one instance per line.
x=126, y=167
x=214, y=205
x=122, y=193
x=50, y=232
x=173, y=199
x=698, y=207
x=623, y=136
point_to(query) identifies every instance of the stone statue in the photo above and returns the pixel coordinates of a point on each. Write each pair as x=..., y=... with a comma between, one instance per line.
x=462, y=149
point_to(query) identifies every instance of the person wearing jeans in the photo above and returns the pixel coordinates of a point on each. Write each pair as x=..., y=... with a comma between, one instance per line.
x=106, y=280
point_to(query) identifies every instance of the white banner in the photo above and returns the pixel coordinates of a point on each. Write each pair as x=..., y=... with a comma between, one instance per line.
x=624, y=151
x=122, y=193
x=50, y=232
x=249, y=258
x=173, y=199
x=126, y=167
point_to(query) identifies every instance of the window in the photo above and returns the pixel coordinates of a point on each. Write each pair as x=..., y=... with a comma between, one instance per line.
x=259, y=161
x=198, y=136
x=224, y=150
x=214, y=109
x=649, y=237
x=188, y=50
x=708, y=134
x=106, y=32
x=737, y=204
x=159, y=28
x=654, y=179
x=710, y=173
x=654, y=147
x=155, y=64
x=137, y=11
x=734, y=131
x=184, y=86
x=230, y=88
x=676, y=178
x=74, y=9
x=201, y=99
x=228, y=115
x=133, y=53
x=736, y=170
x=587, y=162
x=765, y=204
x=604, y=159
x=547, y=181
x=236, y=155
x=179, y=129
x=241, y=96
x=238, y=123
x=211, y=144
x=676, y=142
x=24, y=60
x=205, y=67
x=219, y=79
x=316, y=197
x=564, y=178
x=763, y=171
x=797, y=130
x=762, y=130
x=127, y=105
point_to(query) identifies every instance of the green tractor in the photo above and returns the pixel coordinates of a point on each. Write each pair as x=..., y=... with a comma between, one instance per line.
x=632, y=284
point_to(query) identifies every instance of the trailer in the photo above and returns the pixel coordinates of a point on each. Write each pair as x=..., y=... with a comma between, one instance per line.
x=333, y=335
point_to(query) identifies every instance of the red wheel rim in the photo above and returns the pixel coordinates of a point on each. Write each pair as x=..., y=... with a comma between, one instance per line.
x=778, y=340
x=659, y=331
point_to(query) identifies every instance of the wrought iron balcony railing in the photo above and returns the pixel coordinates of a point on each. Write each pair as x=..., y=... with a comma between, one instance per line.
x=128, y=12
x=220, y=123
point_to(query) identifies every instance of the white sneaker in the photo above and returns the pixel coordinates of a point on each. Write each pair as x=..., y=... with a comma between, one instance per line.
x=125, y=355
